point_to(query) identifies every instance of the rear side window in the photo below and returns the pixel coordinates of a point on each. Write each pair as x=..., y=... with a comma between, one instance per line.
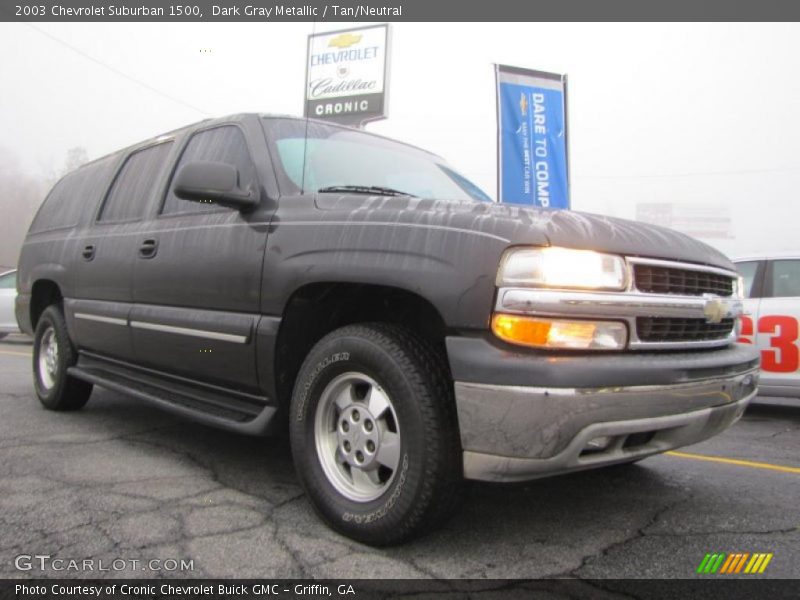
x=222, y=144
x=133, y=186
x=785, y=278
x=73, y=195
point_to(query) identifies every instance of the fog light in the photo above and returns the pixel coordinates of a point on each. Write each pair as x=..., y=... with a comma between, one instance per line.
x=557, y=333
x=599, y=443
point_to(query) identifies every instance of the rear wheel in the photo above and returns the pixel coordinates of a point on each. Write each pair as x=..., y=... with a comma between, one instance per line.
x=53, y=354
x=374, y=434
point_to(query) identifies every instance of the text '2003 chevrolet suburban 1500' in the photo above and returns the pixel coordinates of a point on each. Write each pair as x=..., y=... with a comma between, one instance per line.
x=259, y=273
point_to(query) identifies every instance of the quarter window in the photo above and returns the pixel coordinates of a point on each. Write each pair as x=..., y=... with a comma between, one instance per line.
x=134, y=184
x=222, y=144
x=73, y=195
x=785, y=278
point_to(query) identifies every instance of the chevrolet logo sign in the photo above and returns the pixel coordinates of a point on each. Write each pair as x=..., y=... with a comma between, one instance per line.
x=344, y=40
x=715, y=310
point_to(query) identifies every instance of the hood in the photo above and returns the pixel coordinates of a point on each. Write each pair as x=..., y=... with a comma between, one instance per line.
x=519, y=225
x=621, y=236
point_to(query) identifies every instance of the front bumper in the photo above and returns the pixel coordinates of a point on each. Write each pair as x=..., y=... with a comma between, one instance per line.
x=524, y=431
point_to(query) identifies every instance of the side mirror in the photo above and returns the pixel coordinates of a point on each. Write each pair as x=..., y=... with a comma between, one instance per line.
x=203, y=181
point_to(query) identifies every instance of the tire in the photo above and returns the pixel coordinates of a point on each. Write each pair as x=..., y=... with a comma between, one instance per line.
x=53, y=354
x=374, y=434
x=3, y=335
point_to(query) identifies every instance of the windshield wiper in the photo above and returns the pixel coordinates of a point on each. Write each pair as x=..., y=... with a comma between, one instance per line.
x=374, y=190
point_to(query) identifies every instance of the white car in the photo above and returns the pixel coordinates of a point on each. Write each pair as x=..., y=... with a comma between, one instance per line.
x=8, y=293
x=772, y=321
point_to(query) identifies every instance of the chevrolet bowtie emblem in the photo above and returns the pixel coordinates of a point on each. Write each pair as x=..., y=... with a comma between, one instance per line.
x=344, y=40
x=715, y=310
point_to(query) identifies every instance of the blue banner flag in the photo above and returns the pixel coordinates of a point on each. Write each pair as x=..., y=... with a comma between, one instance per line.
x=532, y=138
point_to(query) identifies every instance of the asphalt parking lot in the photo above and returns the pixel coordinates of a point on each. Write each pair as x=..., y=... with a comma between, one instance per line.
x=123, y=480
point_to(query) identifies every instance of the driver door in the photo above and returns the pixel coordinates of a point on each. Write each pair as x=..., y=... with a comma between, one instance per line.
x=197, y=279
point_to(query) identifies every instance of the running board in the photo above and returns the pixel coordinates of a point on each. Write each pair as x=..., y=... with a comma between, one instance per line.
x=218, y=411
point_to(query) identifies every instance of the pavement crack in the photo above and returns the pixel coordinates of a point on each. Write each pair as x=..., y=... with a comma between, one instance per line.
x=297, y=559
x=112, y=438
x=795, y=529
x=783, y=432
x=606, y=550
x=213, y=472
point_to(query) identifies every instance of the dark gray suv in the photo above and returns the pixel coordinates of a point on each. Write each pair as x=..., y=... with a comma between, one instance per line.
x=259, y=273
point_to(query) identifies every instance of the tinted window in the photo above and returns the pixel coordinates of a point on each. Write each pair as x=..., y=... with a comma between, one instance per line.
x=8, y=281
x=785, y=278
x=221, y=144
x=74, y=194
x=748, y=272
x=134, y=184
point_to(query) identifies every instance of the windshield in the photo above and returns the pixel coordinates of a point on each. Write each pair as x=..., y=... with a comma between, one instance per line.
x=335, y=157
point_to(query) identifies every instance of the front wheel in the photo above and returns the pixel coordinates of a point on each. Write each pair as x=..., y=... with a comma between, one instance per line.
x=53, y=354
x=374, y=434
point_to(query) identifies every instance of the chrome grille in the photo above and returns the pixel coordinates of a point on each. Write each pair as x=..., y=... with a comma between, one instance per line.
x=670, y=329
x=653, y=279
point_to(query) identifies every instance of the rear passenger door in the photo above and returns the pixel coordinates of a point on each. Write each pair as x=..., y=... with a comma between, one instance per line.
x=197, y=295
x=778, y=329
x=106, y=253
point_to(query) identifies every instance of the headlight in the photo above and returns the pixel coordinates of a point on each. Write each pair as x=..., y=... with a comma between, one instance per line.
x=561, y=268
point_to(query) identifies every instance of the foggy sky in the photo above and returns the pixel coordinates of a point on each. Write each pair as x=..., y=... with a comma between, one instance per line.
x=682, y=113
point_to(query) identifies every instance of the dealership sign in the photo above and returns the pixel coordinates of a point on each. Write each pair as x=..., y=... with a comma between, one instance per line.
x=346, y=75
x=532, y=138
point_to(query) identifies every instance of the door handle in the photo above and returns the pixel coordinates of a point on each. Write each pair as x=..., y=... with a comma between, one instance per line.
x=148, y=248
x=88, y=252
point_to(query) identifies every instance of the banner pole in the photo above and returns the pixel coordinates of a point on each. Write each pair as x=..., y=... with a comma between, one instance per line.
x=566, y=143
x=498, y=153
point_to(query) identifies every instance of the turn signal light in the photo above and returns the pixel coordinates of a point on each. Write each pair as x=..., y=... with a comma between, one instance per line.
x=557, y=333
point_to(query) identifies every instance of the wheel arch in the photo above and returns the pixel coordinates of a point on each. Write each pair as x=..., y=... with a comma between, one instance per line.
x=44, y=292
x=316, y=309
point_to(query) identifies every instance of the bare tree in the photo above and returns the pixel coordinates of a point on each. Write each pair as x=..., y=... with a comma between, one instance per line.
x=21, y=193
x=76, y=157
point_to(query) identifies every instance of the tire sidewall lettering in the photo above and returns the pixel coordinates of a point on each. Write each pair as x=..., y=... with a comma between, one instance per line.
x=381, y=512
x=302, y=405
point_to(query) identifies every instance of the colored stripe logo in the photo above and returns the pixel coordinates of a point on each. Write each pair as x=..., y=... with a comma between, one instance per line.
x=736, y=562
